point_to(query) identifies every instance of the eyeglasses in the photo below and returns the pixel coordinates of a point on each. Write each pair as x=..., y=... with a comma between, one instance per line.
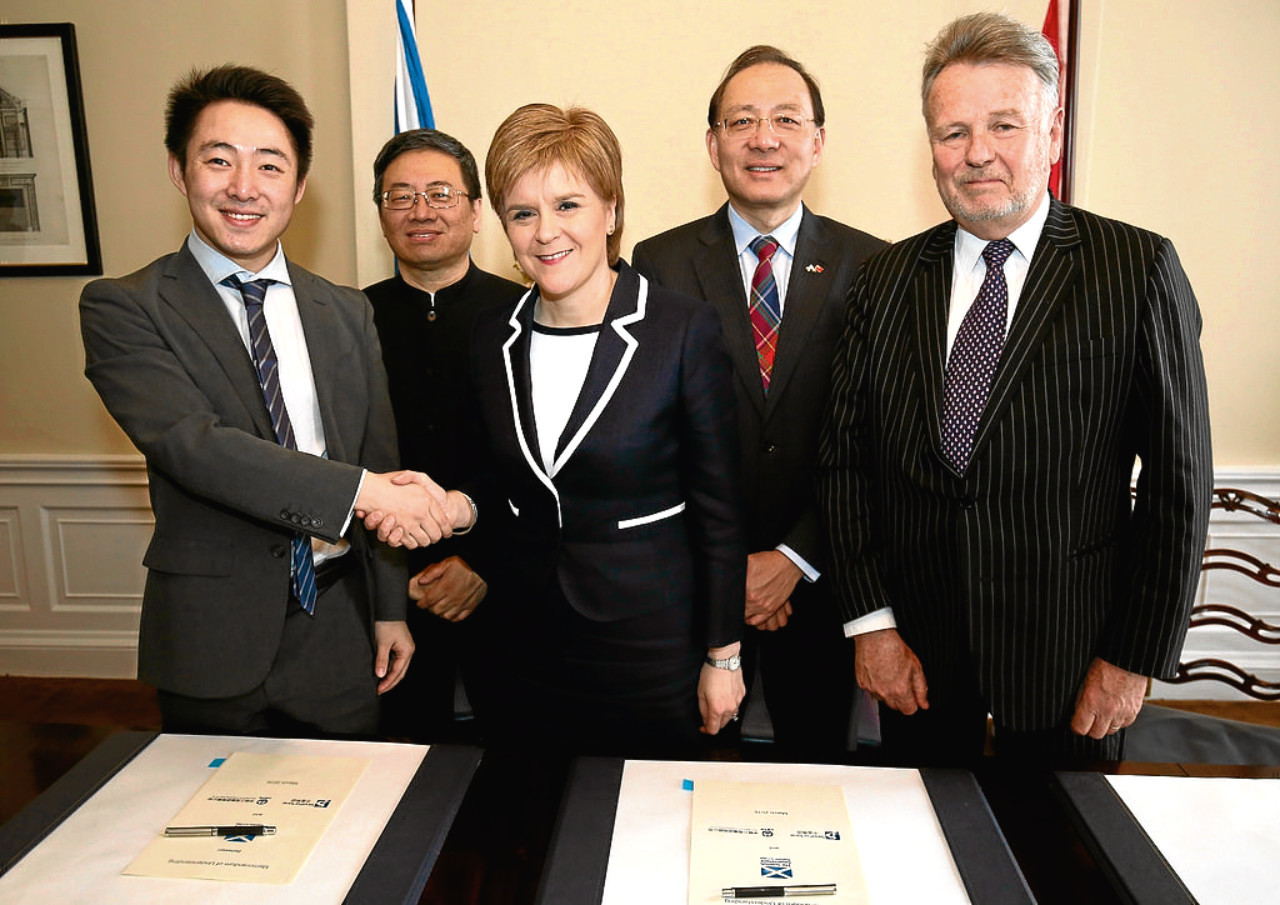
x=782, y=124
x=441, y=197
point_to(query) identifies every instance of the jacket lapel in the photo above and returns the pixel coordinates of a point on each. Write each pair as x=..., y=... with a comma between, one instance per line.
x=930, y=302
x=323, y=349
x=720, y=278
x=615, y=347
x=187, y=290
x=1049, y=281
x=515, y=358
x=807, y=291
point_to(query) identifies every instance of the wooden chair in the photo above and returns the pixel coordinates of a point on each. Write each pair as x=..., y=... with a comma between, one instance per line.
x=1228, y=616
x=1166, y=734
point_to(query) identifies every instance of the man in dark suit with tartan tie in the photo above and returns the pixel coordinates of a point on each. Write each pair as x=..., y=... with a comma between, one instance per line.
x=256, y=392
x=777, y=275
x=998, y=378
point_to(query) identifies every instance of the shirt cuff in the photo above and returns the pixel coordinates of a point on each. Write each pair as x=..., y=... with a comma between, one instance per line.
x=810, y=573
x=872, y=622
x=352, y=510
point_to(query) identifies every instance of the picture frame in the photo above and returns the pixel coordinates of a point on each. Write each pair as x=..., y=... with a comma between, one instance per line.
x=48, y=222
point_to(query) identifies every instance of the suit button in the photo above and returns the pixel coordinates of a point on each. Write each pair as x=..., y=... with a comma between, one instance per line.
x=966, y=502
x=317, y=523
x=304, y=522
x=279, y=552
x=296, y=519
x=284, y=514
x=769, y=449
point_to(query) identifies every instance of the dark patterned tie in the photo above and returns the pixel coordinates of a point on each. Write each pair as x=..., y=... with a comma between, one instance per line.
x=254, y=293
x=766, y=312
x=974, y=358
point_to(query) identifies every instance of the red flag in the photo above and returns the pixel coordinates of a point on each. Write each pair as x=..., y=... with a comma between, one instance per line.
x=1056, y=31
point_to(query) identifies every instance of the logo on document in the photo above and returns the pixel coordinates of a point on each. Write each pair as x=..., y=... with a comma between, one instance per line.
x=240, y=837
x=776, y=868
x=308, y=802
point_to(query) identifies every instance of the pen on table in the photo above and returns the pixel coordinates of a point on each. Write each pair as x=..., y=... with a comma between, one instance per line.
x=242, y=829
x=778, y=892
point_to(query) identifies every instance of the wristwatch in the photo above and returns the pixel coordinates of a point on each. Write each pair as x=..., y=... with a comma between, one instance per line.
x=730, y=663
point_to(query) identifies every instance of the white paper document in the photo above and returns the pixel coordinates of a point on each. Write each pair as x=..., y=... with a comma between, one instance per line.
x=755, y=836
x=82, y=861
x=296, y=796
x=902, y=852
x=1218, y=834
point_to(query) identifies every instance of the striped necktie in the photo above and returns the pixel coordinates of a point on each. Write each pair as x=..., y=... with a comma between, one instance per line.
x=974, y=357
x=765, y=310
x=254, y=293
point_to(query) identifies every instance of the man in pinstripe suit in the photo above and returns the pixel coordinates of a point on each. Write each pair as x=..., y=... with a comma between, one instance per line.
x=1015, y=579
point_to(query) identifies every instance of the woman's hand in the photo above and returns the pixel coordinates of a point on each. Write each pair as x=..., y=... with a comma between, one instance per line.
x=720, y=691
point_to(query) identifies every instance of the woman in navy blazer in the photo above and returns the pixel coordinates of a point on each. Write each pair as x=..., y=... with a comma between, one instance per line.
x=610, y=500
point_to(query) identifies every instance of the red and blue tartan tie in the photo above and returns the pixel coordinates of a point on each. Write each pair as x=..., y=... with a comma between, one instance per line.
x=766, y=312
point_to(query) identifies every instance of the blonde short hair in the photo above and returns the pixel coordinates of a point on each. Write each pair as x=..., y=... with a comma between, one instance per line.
x=538, y=136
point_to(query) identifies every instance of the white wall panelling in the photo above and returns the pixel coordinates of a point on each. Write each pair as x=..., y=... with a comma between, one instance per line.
x=72, y=534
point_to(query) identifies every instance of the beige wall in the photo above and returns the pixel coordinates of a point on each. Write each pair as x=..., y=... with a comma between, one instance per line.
x=131, y=51
x=1176, y=98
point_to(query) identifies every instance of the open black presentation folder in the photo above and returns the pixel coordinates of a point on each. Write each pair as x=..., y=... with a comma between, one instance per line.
x=579, y=855
x=1136, y=869
x=395, y=871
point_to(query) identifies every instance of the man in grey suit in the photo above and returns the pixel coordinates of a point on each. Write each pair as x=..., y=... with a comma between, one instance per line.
x=256, y=392
x=766, y=128
x=999, y=376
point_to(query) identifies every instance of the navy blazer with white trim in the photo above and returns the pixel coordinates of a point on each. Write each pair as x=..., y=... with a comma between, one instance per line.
x=641, y=508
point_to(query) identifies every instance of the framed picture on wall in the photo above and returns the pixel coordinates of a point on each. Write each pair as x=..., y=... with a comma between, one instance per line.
x=47, y=222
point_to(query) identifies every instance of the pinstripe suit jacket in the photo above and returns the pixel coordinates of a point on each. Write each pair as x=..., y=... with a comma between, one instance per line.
x=1033, y=561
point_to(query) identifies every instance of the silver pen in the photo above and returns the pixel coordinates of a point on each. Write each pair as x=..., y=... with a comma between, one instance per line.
x=778, y=892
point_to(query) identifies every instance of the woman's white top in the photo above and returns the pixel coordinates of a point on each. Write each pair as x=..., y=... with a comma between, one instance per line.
x=558, y=362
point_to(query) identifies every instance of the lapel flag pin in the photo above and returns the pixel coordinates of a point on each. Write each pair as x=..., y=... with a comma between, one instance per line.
x=813, y=268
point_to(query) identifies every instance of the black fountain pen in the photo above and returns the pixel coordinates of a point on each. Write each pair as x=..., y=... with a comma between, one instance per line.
x=778, y=892
x=242, y=829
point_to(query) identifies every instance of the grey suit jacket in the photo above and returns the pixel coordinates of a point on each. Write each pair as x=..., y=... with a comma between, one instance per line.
x=778, y=432
x=172, y=370
x=1033, y=561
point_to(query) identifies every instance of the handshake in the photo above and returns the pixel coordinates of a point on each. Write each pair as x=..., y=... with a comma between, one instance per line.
x=410, y=510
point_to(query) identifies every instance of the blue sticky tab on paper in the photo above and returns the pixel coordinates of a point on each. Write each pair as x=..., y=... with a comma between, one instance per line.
x=217, y=762
x=687, y=785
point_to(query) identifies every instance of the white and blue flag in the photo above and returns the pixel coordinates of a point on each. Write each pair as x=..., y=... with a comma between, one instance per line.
x=413, y=104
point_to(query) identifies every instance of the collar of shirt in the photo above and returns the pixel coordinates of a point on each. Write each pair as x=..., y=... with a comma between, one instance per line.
x=970, y=269
x=217, y=266
x=445, y=294
x=785, y=235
